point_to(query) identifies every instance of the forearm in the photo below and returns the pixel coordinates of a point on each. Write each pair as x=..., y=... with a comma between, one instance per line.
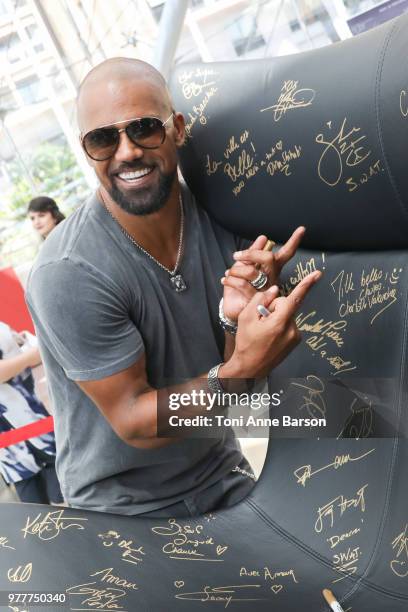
x=12, y=366
x=229, y=346
x=149, y=412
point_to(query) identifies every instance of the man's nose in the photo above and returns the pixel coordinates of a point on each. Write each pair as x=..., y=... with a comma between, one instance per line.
x=127, y=150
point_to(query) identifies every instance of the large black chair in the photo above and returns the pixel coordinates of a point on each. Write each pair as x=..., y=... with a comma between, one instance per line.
x=317, y=139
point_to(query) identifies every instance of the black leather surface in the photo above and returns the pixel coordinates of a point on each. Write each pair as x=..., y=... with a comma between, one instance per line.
x=328, y=152
x=328, y=512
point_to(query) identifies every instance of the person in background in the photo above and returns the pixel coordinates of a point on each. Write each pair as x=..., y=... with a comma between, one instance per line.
x=44, y=215
x=29, y=465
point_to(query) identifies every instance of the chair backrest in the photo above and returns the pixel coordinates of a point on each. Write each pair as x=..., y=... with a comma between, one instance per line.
x=315, y=139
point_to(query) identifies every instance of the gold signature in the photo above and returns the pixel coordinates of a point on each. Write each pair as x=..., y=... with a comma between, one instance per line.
x=360, y=423
x=186, y=544
x=20, y=573
x=98, y=599
x=291, y=97
x=342, y=147
x=106, y=575
x=193, y=88
x=324, y=329
x=342, y=503
x=305, y=473
x=374, y=290
x=223, y=594
x=50, y=526
x=211, y=166
x=282, y=165
x=334, y=540
x=346, y=562
x=242, y=166
x=129, y=554
x=313, y=400
x=4, y=543
x=399, y=565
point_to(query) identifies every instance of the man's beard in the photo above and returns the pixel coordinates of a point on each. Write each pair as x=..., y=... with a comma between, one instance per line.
x=145, y=201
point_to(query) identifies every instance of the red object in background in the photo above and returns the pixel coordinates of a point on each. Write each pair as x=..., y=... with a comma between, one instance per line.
x=13, y=309
x=32, y=430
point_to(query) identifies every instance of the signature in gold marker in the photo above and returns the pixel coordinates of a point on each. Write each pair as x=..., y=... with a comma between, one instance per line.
x=313, y=398
x=290, y=98
x=4, y=543
x=98, y=599
x=305, y=472
x=224, y=594
x=192, y=88
x=129, y=554
x=342, y=503
x=50, y=526
x=189, y=543
x=399, y=565
x=346, y=562
x=360, y=423
x=347, y=145
x=20, y=573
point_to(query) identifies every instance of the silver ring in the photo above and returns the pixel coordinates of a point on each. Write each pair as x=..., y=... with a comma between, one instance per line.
x=264, y=312
x=260, y=281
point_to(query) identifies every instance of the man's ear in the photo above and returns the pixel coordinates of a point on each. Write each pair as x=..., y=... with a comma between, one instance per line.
x=179, y=129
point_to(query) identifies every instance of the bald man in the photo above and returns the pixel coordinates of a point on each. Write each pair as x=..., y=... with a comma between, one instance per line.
x=125, y=299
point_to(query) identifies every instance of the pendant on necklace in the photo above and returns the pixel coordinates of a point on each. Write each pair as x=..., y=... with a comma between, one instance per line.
x=178, y=283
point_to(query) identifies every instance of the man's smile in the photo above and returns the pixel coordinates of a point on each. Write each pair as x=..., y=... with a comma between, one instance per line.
x=135, y=177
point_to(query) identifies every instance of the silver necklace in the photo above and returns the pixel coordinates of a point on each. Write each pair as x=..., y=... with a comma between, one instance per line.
x=176, y=280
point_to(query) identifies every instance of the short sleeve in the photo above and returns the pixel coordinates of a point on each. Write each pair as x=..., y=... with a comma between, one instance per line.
x=83, y=319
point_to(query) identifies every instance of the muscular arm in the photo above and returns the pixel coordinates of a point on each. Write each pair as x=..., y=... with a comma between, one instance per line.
x=129, y=403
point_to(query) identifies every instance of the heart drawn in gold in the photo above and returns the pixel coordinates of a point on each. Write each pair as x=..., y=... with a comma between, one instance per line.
x=178, y=584
x=276, y=588
x=221, y=549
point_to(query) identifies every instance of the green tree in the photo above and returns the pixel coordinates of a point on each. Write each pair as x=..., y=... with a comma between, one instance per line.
x=54, y=171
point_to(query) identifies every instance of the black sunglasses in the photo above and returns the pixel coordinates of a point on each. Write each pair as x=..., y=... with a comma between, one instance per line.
x=145, y=132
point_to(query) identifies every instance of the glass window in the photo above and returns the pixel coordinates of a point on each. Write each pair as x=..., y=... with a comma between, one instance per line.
x=4, y=9
x=30, y=90
x=245, y=36
x=34, y=35
x=8, y=101
x=157, y=11
x=11, y=49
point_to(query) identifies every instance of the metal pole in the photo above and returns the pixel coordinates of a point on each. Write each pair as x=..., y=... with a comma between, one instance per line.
x=171, y=24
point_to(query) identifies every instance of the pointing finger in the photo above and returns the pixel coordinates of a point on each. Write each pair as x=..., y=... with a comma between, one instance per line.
x=291, y=303
x=287, y=251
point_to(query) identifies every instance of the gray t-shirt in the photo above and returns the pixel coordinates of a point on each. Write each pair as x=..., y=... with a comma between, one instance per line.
x=98, y=303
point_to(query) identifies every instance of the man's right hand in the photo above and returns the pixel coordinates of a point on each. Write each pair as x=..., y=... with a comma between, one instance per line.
x=263, y=342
